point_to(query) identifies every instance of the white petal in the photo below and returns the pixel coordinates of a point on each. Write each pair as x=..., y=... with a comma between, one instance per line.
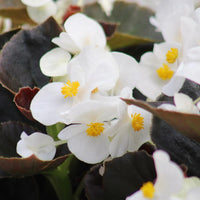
x=150, y=84
x=54, y=62
x=169, y=175
x=185, y=104
x=49, y=103
x=173, y=86
x=119, y=144
x=169, y=107
x=85, y=31
x=35, y=3
x=40, y=14
x=136, y=196
x=89, y=149
x=189, y=70
x=41, y=145
x=65, y=42
x=71, y=131
x=92, y=111
x=193, y=194
x=97, y=66
x=107, y=6
x=127, y=67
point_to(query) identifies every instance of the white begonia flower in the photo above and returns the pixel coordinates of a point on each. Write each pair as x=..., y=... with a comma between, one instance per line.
x=183, y=103
x=127, y=72
x=89, y=141
x=168, y=18
x=81, y=32
x=93, y=70
x=131, y=129
x=169, y=180
x=39, y=11
x=39, y=144
x=54, y=63
x=157, y=69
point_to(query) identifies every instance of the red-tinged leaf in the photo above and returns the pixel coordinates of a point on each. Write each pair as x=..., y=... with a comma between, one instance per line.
x=187, y=124
x=109, y=28
x=19, y=61
x=72, y=9
x=28, y=166
x=23, y=100
x=10, y=162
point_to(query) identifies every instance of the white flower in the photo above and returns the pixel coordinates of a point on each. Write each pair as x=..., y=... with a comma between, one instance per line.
x=131, y=130
x=91, y=71
x=40, y=10
x=127, y=72
x=39, y=144
x=169, y=180
x=54, y=62
x=183, y=103
x=168, y=18
x=81, y=31
x=88, y=140
x=157, y=70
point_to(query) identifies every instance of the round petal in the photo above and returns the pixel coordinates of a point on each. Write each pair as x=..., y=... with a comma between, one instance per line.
x=41, y=145
x=35, y=3
x=92, y=111
x=49, y=103
x=88, y=148
x=97, y=66
x=54, y=62
x=127, y=67
x=40, y=14
x=85, y=31
x=65, y=42
x=193, y=194
x=169, y=176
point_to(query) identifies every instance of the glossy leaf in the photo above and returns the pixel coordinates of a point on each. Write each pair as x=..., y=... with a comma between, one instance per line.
x=125, y=175
x=137, y=32
x=19, y=61
x=23, y=100
x=189, y=128
x=10, y=162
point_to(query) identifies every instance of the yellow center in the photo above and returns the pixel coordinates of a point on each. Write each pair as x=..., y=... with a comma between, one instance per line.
x=148, y=190
x=95, y=129
x=137, y=122
x=95, y=90
x=164, y=72
x=172, y=55
x=70, y=88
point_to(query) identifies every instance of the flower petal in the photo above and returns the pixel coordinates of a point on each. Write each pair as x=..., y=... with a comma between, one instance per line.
x=49, y=103
x=54, y=62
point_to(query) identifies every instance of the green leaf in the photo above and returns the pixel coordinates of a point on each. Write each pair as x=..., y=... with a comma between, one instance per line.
x=189, y=128
x=134, y=26
x=60, y=180
x=54, y=130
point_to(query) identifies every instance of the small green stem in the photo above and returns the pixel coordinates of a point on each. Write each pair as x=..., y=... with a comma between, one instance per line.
x=60, y=142
x=196, y=101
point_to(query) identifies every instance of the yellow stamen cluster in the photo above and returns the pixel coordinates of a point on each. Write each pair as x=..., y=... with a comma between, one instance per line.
x=70, y=88
x=137, y=122
x=148, y=190
x=165, y=73
x=95, y=129
x=172, y=55
x=95, y=90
